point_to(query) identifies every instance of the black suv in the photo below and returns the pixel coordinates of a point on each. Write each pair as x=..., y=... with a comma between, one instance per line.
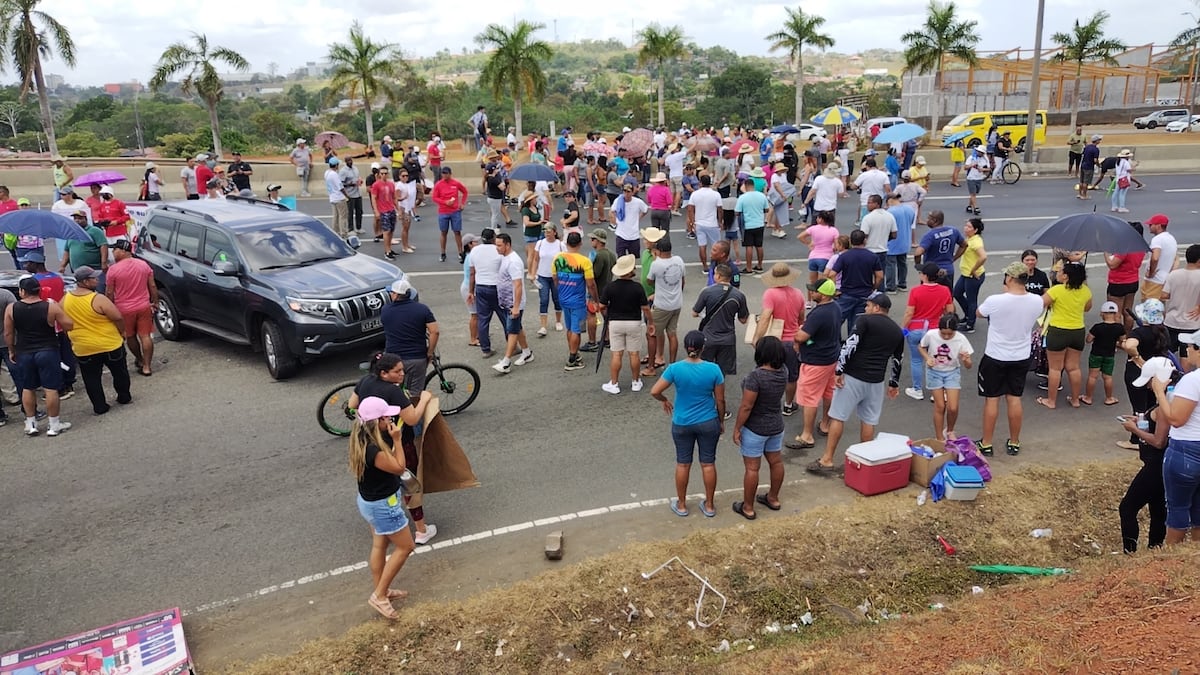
x=255, y=273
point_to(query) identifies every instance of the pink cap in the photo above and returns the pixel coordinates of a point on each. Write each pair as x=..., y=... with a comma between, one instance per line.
x=373, y=408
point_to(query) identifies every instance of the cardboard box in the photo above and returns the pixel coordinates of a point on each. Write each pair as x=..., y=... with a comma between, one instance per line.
x=924, y=469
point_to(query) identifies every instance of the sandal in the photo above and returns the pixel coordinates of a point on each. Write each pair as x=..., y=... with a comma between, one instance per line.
x=649, y=372
x=397, y=594
x=708, y=513
x=384, y=607
x=1086, y=400
x=762, y=499
x=985, y=450
x=739, y=508
x=823, y=432
x=1111, y=401
x=1045, y=403
x=816, y=467
x=800, y=444
x=678, y=507
x=1074, y=403
x=1012, y=448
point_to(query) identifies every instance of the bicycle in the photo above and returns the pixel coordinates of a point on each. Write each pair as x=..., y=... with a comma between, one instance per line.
x=457, y=388
x=1011, y=173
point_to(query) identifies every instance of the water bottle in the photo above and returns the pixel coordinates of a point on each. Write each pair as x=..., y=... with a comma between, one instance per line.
x=412, y=486
x=1041, y=533
x=921, y=497
x=1143, y=424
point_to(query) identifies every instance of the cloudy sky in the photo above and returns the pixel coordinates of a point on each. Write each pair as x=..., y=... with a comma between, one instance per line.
x=118, y=40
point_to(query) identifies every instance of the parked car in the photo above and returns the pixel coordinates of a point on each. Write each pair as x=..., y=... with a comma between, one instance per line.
x=1190, y=124
x=811, y=132
x=254, y=273
x=1160, y=118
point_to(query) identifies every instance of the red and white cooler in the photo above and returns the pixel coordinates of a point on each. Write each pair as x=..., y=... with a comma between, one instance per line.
x=879, y=466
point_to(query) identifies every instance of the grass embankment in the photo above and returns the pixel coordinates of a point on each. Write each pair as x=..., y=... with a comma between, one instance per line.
x=878, y=554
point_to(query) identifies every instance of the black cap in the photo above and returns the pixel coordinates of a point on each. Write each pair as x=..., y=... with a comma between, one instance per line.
x=122, y=244
x=880, y=298
x=931, y=270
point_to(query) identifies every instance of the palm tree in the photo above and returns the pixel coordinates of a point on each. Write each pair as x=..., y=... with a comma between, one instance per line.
x=26, y=36
x=660, y=45
x=927, y=48
x=515, y=65
x=198, y=61
x=1086, y=42
x=1190, y=38
x=367, y=68
x=799, y=30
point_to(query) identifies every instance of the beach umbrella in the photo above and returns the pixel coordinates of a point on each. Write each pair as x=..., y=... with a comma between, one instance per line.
x=834, y=115
x=1096, y=232
x=98, y=178
x=43, y=224
x=899, y=133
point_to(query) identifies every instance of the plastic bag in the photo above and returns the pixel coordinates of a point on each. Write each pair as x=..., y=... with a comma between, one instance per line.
x=968, y=455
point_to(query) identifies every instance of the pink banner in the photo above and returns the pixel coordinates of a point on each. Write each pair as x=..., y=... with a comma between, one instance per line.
x=148, y=645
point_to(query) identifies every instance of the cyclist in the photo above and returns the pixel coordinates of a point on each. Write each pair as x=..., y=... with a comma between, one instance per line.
x=406, y=323
x=1003, y=147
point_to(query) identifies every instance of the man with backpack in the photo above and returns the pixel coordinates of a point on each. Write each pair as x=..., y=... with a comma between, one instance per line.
x=479, y=126
x=721, y=305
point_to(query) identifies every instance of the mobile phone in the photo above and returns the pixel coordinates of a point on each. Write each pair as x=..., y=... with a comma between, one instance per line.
x=1123, y=418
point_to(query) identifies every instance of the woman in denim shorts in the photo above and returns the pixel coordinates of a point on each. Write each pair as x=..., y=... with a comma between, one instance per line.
x=377, y=465
x=1181, y=463
x=759, y=426
x=697, y=419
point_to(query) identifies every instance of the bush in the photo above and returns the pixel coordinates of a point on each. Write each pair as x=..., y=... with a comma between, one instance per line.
x=86, y=144
x=28, y=141
x=185, y=145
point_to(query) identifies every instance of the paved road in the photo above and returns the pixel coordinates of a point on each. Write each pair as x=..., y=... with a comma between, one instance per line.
x=217, y=481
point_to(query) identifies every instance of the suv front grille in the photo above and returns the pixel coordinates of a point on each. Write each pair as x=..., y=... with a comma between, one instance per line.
x=360, y=307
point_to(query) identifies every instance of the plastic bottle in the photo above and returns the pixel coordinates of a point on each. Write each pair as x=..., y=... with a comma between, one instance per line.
x=1041, y=533
x=921, y=497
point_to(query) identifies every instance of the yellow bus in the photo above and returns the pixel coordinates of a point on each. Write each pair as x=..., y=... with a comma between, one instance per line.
x=1005, y=120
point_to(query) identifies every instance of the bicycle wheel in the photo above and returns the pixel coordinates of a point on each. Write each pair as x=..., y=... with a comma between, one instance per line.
x=333, y=413
x=1011, y=173
x=457, y=387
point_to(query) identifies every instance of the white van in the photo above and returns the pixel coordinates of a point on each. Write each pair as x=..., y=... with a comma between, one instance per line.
x=883, y=123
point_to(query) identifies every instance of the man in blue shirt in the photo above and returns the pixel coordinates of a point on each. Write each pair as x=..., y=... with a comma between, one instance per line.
x=895, y=272
x=1087, y=164
x=861, y=272
x=941, y=245
x=753, y=206
x=411, y=333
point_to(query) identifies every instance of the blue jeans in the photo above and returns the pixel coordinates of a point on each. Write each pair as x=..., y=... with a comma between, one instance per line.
x=486, y=304
x=914, y=356
x=1118, y=197
x=689, y=437
x=547, y=292
x=851, y=307
x=1181, y=479
x=966, y=292
x=895, y=271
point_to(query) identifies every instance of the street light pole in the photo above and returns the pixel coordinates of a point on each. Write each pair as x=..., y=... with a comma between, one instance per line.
x=1035, y=85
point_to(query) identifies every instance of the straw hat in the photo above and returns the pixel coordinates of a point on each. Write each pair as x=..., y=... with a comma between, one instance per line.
x=659, y=177
x=781, y=274
x=1125, y=153
x=830, y=172
x=780, y=166
x=624, y=266
x=758, y=173
x=652, y=234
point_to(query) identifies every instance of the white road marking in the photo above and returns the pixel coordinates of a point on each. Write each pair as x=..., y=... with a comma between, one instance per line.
x=1183, y=190
x=448, y=543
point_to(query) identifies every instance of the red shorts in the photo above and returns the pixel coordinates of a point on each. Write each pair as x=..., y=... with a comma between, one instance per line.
x=816, y=383
x=139, y=322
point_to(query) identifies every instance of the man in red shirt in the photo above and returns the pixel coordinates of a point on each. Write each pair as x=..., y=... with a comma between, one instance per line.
x=383, y=203
x=204, y=172
x=112, y=216
x=129, y=283
x=927, y=303
x=450, y=197
x=434, y=152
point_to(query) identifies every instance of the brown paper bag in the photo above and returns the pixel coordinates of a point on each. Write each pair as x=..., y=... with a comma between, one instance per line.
x=441, y=463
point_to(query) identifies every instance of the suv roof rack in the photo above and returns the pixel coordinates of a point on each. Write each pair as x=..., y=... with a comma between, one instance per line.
x=256, y=202
x=180, y=209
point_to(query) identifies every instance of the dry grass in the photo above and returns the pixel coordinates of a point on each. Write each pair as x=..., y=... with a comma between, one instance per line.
x=829, y=560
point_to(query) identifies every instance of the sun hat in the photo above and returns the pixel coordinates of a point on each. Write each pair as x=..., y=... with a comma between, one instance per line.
x=85, y=272
x=781, y=274
x=1150, y=312
x=824, y=287
x=1157, y=367
x=659, y=177
x=1109, y=308
x=1016, y=270
x=1125, y=152
x=830, y=172
x=151, y=165
x=599, y=235
x=758, y=173
x=373, y=408
x=780, y=166
x=652, y=234
x=919, y=159
x=625, y=265
x=881, y=299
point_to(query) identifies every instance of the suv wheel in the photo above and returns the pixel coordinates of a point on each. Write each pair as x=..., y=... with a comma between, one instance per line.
x=280, y=362
x=1020, y=147
x=166, y=318
x=1151, y=124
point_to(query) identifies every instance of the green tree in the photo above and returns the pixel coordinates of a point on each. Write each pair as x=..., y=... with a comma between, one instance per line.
x=27, y=35
x=363, y=67
x=514, y=66
x=198, y=62
x=1086, y=42
x=1190, y=36
x=799, y=30
x=741, y=93
x=660, y=45
x=942, y=35
x=95, y=109
x=87, y=144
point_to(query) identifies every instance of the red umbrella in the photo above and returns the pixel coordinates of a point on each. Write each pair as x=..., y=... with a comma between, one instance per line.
x=637, y=142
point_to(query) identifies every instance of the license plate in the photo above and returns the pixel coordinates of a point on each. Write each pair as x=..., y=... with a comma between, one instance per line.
x=371, y=324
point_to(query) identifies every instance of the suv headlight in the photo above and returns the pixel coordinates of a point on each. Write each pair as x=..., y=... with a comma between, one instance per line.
x=311, y=306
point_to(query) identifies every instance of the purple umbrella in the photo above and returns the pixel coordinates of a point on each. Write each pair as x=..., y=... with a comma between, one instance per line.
x=99, y=178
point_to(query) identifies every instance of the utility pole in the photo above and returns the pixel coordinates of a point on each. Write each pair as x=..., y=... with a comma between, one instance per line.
x=1035, y=85
x=137, y=119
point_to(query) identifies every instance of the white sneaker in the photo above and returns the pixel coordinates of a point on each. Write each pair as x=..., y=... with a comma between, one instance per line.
x=636, y=385
x=31, y=431
x=541, y=333
x=914, y=393
x=524, y=358
x=611, y=387
x=56, y=429
x=423, y=538
x=558, y=326
x=502, y=367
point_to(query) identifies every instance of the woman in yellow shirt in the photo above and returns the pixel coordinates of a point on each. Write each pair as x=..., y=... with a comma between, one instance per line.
x=970, y=269
x=96, y=339
x=1066, y=336
x=918, y=172
x=958, y=156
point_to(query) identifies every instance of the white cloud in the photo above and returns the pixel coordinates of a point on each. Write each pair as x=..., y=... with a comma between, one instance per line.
x=119, y=41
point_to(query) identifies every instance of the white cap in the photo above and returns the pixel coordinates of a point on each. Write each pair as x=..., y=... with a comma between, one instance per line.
x=106, y=190
x=376, y=165
x=151, y=165
x=1158, y=366
x=1190, y=338
x=300, y=140
x=388, y=139
x=1109, y=308
x=401, y=286
x=625, y=130
x=201, y=157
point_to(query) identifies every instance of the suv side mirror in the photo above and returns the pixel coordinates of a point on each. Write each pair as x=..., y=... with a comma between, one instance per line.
x=225, y=268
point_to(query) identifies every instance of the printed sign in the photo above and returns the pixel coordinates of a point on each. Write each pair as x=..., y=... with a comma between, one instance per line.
x=148, y=645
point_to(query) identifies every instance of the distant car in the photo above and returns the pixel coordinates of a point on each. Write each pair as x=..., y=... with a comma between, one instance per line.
x=1179, y=126
x=1161, y=118
x=878, y=124
x=812, y=132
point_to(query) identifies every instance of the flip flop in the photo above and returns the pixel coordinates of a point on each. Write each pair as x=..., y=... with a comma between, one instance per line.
x=739, y=508
x=800, y=445
x=1111, y=401
x=145, y=374
x=649, y=372
x=762, y=499
x=816, y=467
x=823, y=432
x=660, y=365
x=396, y=594
x=1073, y=402
x=708, y=513
x=680, y=511
x=1045, y=403
x=1086, y=400
x=384, y=607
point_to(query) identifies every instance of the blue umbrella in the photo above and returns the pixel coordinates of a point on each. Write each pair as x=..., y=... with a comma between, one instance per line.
x=899, y=133
x=956, y=137
x=42, y=224
x=1087, y=232
x=534, y=172
x=785, y=129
